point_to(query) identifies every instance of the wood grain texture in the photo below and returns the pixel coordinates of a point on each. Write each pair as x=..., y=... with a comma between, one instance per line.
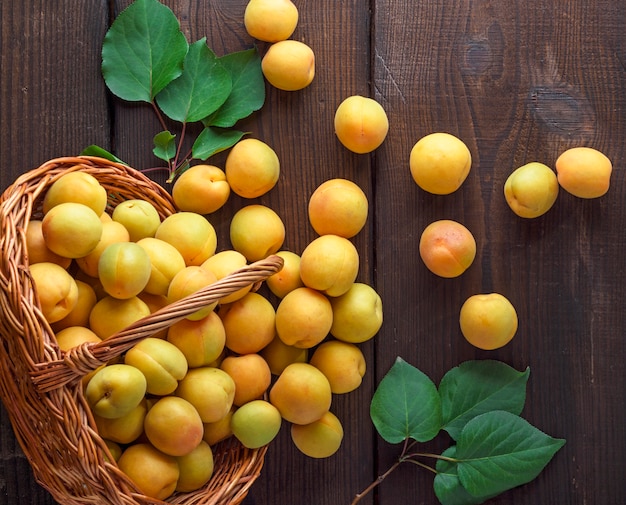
x=517, y=84
x=52, y=103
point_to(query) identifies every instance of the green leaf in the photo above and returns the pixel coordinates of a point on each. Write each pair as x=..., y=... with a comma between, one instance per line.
x=405, y=405
x=94, y=150
x=498, y=451
x=448, y=487
x=214, y=140
x=143, y=51
x=476, y=387
x=248, y=92
x=164, y=145
x=201, y=89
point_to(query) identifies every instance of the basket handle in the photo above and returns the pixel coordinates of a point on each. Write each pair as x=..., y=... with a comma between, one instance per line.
x=85, y=358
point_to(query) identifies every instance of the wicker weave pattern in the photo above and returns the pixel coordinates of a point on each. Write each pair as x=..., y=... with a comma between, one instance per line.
x=40, y=386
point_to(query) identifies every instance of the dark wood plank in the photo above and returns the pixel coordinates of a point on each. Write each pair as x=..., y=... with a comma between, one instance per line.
x=517, y=85
x=53, y=95
x=52, y=104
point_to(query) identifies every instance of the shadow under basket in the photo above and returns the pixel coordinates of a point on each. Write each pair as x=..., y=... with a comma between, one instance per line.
x=40, y=385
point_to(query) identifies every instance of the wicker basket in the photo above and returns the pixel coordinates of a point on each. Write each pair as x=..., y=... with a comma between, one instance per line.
x=40, y=385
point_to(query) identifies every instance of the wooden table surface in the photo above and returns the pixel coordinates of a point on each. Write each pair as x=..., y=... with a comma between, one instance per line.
x=518, y=82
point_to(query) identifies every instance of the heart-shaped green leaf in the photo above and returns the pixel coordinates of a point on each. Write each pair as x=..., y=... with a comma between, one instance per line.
x=201, y=89
x=143, y=51
x=248, y=93
x=405, y=405
x=164, y=145
x=498, y=451
x=214, y=140
x=476, y=387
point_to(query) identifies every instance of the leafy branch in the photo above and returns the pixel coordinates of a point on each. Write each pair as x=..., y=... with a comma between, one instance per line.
x=147, y=58
x=478, y=404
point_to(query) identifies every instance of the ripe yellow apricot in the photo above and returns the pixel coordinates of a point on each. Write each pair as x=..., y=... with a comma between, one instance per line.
x=584, y=172
x=270, y=20
x=71, y=229
x=289, y=65
x=152, y=471
x=124, y=269
x=56, y=288
x=256, y=231
x=252, y=168
x=76, y=187
x=210, y=390
x=202, y=189
x=192, y=234
x=303, y=318
x=173, y=426
x=319, y=439
x=202, y=341
x=251, y=374
x=249, y=323
x=288, y=278
x=357, y=314
x=138, y=216
x=329, y=264
x=196, y=468
x=488, y=321
x=301, y=393
x=256, y=423
x=111, y=315
x=361, y=124
x=440, y=163
x=447, y=248
x=338, y=207
x=531, y=190
x=115, y=390
x=160, y=361
x=342, y=363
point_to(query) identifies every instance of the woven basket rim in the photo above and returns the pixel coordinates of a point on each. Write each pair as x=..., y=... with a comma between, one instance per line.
x=52, y=422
